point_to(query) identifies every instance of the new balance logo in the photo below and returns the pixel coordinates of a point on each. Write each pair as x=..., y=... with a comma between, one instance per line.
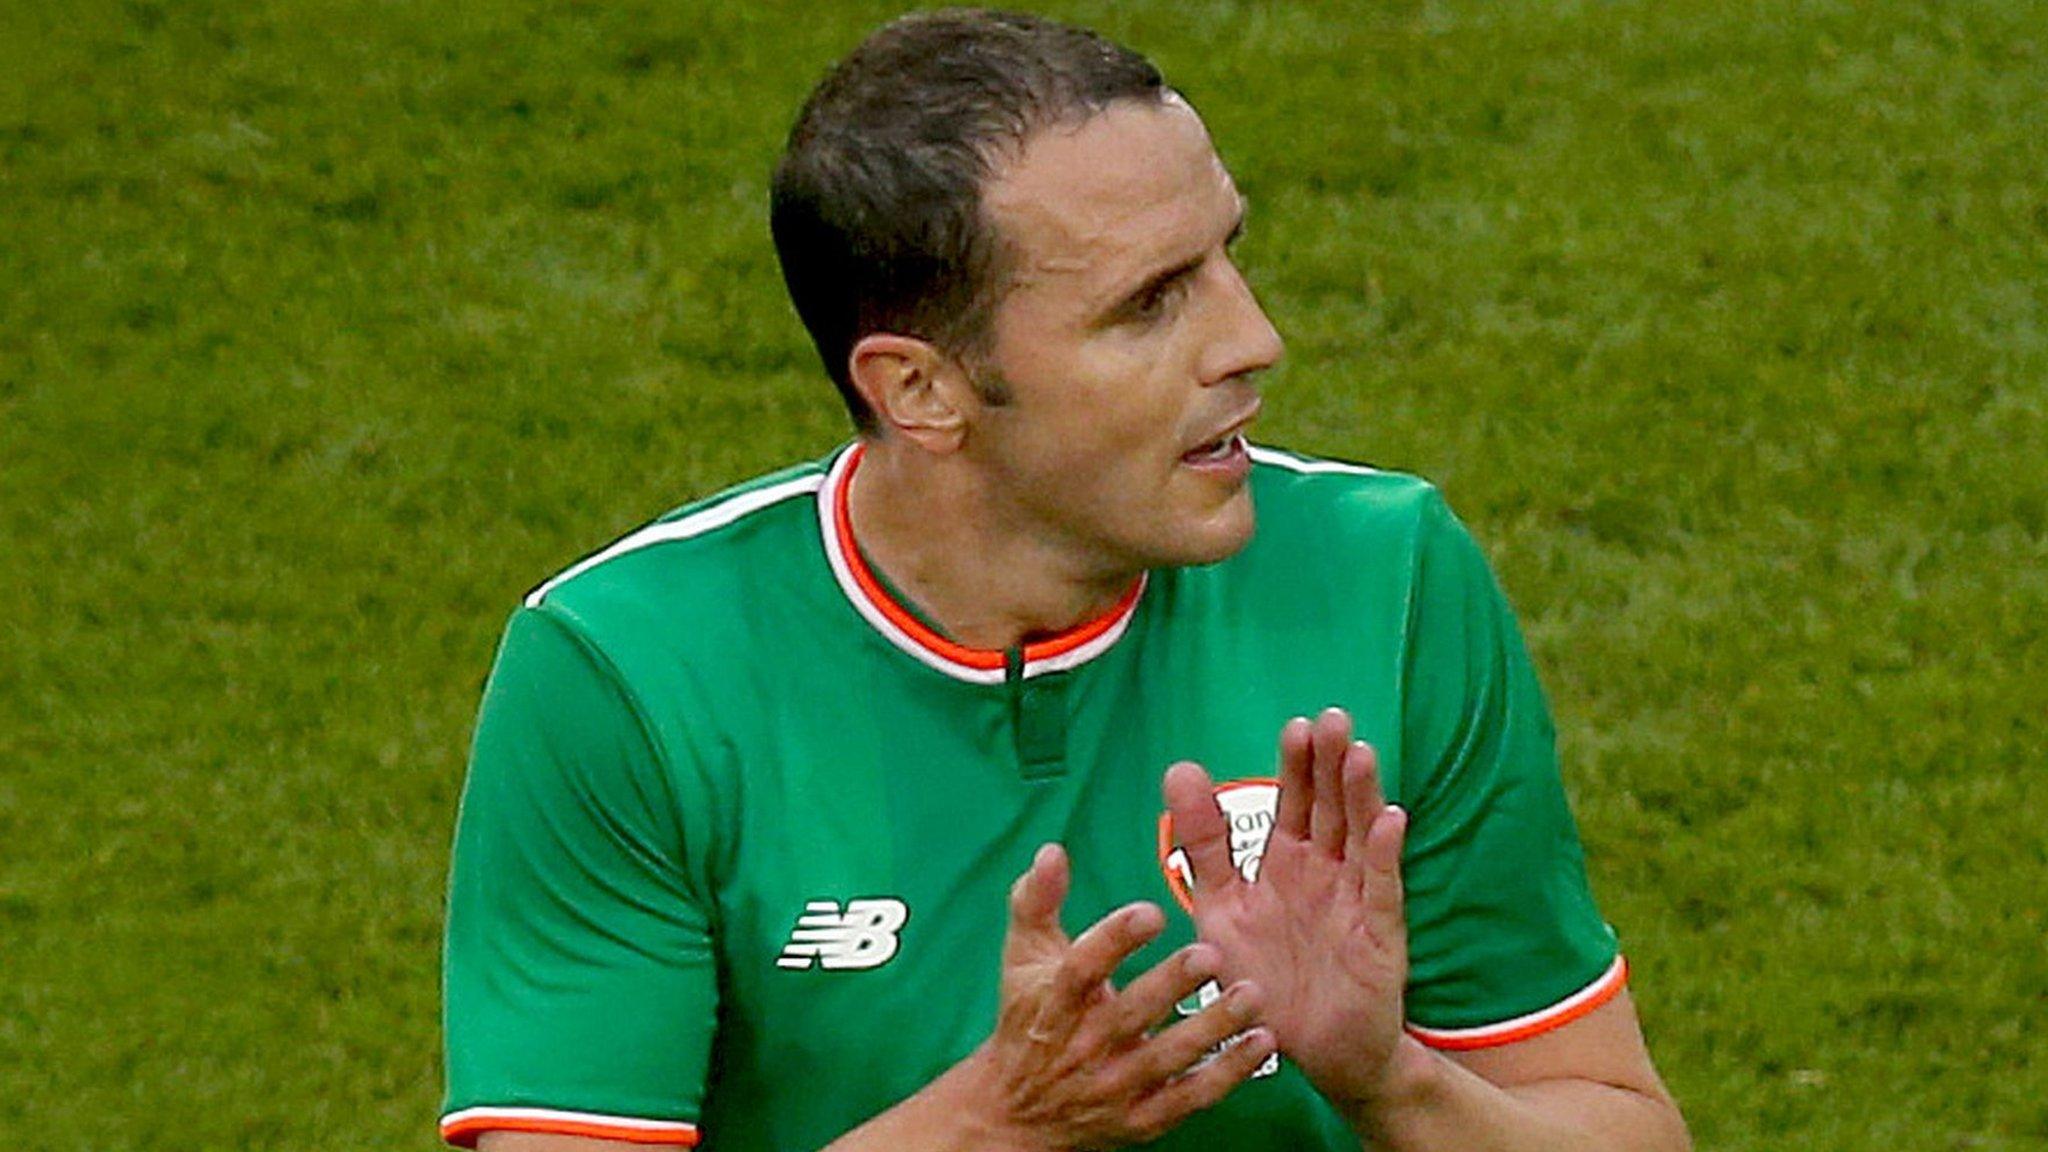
x=861, y=936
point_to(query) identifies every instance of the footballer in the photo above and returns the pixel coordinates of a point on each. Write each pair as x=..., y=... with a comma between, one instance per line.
x=1051, y=766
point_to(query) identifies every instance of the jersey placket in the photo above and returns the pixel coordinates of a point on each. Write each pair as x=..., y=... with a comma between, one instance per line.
x=1038, y=717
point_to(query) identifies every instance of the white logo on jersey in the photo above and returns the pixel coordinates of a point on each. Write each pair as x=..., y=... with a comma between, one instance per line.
x=862, y=936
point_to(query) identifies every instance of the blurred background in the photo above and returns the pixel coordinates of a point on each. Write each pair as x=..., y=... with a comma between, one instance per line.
x=329, y=327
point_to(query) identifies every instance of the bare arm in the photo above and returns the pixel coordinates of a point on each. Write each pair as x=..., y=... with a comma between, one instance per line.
x=549, y=1142
x=1588, y=1086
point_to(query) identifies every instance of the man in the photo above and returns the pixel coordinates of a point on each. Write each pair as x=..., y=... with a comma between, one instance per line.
x=751, y=786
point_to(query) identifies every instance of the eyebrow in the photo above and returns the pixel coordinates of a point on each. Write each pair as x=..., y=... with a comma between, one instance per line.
x=1166, y=276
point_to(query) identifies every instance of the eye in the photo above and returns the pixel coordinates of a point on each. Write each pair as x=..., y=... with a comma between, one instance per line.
x=1157, y=301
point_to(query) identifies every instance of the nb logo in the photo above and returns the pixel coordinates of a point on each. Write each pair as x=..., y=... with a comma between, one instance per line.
x=861, y=936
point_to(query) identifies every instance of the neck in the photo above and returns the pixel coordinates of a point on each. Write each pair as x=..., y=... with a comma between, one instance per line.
x=933, y=528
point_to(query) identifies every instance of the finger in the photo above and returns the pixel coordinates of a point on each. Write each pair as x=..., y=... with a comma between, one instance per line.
x=1200, y=827
x=1178, y=1048
x=1384, y=895
x=1331, y=737
x=1151, y=997
x=1204, y=1087
x=1363, y=800
x=1035, y=901
x=1096, y=953
x=1291, y=819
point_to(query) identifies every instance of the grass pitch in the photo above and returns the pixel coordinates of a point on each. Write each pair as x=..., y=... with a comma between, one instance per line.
x=326, y=329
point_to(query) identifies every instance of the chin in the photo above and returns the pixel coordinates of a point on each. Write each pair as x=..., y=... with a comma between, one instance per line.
x=1216, y=537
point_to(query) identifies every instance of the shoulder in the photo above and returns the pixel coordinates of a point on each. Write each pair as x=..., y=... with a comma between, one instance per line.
x=1334, y=542
x=1337, y=503
x=697, y=557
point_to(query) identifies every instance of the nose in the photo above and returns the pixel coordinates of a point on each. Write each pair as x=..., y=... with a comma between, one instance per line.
x=1244, y=340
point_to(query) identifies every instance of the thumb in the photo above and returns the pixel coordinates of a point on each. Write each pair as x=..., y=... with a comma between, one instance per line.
x=1199, y=825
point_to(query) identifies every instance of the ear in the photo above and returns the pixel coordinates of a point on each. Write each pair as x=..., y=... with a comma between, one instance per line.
x=915, y=390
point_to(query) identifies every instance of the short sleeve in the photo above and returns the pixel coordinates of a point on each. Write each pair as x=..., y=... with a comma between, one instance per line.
x=580, y=979
x=1505, y=939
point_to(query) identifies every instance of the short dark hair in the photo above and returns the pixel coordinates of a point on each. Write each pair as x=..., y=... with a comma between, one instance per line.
x=876, y=204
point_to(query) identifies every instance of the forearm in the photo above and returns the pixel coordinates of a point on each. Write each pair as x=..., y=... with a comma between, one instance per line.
x=940, y=1117
x=1432, y=1104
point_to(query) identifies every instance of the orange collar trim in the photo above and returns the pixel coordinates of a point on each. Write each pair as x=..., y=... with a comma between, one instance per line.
x=1072, y=647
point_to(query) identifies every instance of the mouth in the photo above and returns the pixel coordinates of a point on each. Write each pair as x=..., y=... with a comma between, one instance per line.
x=1228, y=447
x=1223, y=450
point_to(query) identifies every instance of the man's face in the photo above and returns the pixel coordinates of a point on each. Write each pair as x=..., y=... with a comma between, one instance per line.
x=1125, y=340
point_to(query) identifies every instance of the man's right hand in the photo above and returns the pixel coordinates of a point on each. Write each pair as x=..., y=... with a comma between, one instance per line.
x=1074, y=1061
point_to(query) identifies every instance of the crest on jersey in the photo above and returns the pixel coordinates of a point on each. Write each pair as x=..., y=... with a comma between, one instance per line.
x=1248, y=807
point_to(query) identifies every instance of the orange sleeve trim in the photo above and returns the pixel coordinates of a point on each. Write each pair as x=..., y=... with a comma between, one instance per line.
x=1576, y=1006
x=462, y=1129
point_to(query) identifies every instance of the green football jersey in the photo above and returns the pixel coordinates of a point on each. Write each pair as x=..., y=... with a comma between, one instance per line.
x=735, y=849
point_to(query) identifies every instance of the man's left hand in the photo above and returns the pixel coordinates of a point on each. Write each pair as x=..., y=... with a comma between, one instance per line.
x=1321, y=928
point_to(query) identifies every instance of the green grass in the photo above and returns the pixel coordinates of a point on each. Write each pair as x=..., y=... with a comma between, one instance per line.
x=328, y=328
